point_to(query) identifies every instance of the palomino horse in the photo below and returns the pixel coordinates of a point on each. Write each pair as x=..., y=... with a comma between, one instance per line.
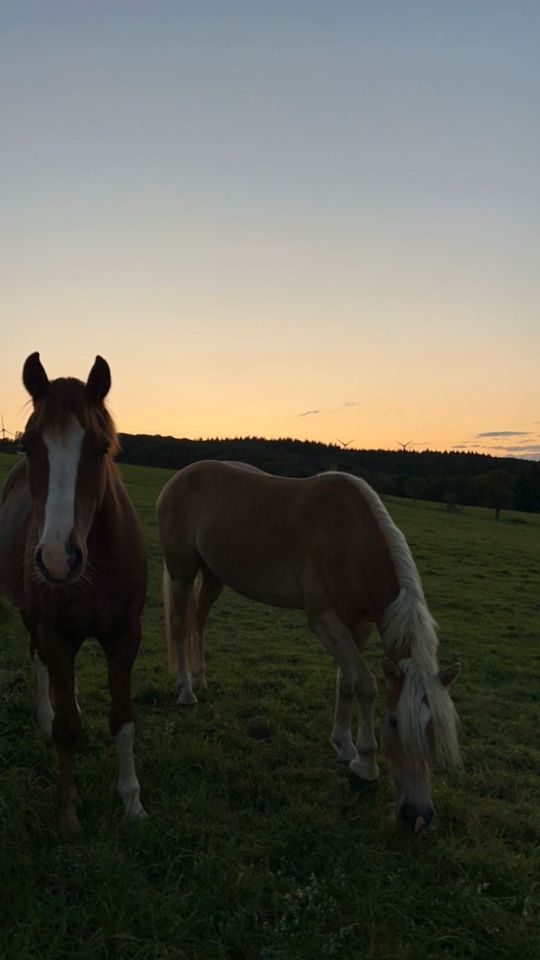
x=72, y=560
x=325, y=544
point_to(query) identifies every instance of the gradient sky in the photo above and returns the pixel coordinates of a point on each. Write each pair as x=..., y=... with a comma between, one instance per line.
x=295, y=218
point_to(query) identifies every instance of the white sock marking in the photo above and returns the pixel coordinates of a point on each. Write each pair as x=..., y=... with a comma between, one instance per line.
x=128, y=784
x=45, y=712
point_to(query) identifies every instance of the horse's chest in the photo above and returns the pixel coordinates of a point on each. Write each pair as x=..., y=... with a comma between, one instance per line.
x=72, y=616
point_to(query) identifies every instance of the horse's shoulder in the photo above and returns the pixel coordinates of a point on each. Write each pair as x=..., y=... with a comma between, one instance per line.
x=203, y=470
x=16, y=477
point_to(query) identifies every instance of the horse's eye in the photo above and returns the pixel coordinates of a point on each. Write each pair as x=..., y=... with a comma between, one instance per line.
x=393, y=722
x=104, y=449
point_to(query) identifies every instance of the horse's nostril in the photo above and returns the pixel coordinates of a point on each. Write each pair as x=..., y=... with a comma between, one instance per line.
x=75, y=559
x=39, y=560
x=407, y=813
x=413, y=816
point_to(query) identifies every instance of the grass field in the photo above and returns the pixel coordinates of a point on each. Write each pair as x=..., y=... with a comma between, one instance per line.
x=265, y=849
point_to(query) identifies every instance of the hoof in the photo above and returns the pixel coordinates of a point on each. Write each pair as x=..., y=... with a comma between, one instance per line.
x=68, y=822
x=186, y=698
x=364, y=768
x=136, y=815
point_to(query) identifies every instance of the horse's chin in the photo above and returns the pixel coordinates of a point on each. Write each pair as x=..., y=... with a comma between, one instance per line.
x=51, y=581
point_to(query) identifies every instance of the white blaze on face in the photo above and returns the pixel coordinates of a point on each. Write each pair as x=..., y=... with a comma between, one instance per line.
x=64, y=452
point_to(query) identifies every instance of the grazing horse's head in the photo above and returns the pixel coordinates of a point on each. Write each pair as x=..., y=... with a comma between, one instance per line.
x=68, y=441
x=419, y=727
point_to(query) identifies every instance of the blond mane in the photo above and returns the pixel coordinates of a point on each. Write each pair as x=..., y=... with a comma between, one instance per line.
x=409, y=636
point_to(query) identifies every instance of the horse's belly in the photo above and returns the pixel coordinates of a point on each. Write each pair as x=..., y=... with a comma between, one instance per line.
x=278, y=588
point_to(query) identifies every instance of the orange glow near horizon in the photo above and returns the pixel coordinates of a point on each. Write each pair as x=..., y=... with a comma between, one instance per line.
x=205, y=394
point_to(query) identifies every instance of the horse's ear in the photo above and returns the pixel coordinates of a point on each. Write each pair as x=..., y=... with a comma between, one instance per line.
x=34, y=377
x=99, y=380
x=449, y=674
x=391, y=670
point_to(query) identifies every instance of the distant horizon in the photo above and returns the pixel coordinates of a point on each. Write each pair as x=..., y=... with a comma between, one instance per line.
x=329, y=443
x=312, y=440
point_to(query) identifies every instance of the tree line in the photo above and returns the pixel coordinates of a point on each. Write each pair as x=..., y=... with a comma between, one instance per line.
x=455, y=479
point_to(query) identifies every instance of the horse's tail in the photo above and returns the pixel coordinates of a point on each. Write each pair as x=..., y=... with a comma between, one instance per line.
x=181, y=625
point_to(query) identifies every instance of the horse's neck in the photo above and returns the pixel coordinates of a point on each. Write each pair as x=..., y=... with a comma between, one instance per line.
x=110, y=511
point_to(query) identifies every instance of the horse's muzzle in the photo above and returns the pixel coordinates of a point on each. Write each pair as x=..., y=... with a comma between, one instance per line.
x=414, y=817
x=59, y=570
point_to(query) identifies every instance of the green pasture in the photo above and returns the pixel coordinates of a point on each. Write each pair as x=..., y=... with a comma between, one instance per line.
x=263, y=848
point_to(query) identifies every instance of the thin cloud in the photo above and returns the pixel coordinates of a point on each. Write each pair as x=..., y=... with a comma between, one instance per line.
x=516, y=448
x=529, y=451
x=342, y=406
x=505, y=433
x=346, y=405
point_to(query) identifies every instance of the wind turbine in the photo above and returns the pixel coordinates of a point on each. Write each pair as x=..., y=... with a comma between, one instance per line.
x=414, y=443
x=344, y=443
x=3, y=429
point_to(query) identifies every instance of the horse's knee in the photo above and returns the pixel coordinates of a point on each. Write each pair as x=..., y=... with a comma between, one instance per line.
x=366, y=687
x=346, y=685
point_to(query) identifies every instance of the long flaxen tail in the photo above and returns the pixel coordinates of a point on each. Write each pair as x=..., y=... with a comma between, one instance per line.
x=181, y=625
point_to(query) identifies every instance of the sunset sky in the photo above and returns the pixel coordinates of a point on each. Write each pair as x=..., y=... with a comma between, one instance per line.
x=297, y=218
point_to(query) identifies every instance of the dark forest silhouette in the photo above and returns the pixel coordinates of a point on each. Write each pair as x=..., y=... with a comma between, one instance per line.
x=454, y=479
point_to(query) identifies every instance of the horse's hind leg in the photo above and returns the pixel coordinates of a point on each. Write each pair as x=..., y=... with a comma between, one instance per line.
x=354, y=680
x=210, y=590
x=180, y=589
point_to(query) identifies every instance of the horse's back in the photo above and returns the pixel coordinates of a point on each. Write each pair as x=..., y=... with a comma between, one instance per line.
x=277, y=539
x=214, y=488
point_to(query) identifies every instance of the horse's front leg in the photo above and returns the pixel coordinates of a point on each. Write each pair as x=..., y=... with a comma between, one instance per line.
x=120, y=659
x=365, y=765
x=353, y=679
x=341, y=738
x=44, y=710
x=66, y=728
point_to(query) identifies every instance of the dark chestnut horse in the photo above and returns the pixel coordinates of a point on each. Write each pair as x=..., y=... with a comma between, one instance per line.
x=325, y=544
x=72, y=560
